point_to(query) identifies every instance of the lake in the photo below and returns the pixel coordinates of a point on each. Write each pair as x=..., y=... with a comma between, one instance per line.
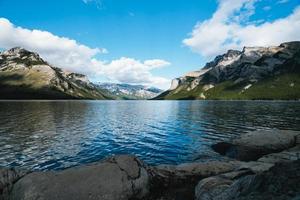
x=44, y=135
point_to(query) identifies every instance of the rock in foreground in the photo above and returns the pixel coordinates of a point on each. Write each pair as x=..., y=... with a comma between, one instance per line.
x=120, y=177
x=7, y=178
x=179, y=181
x=271, y=176
x=255, y=144
x=281, y=182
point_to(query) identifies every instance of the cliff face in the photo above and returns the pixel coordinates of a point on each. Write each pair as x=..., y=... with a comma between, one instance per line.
x=25, y=75
x=253, y=73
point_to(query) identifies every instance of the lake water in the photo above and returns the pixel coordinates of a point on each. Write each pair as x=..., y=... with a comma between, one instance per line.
x=43, y=135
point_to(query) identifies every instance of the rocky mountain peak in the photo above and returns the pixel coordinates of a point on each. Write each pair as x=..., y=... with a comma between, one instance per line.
x=19, y=55
x=292, y=44
x=237, y=71
x=225, y=59
x=19, y=51
x=78, y=77
x=232, y=53
x=14, y=51
x=25, y=75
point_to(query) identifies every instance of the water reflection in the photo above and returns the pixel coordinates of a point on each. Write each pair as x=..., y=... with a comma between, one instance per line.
x=58, y=134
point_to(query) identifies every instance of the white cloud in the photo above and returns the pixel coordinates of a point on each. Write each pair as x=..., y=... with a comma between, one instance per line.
x=230, y=28
x=70, y=55
x=129, y=70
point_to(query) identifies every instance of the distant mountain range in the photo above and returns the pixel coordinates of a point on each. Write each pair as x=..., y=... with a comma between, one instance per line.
x=127, y=91
x=253, y=73
x=25, y=75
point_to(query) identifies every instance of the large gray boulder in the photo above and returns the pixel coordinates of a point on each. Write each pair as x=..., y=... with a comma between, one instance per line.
x=7, y=178
x=179, y=181
x=291, y=154
x=256, y=144
x=211, y=187
x=197, y=169
x=281, y=182
x=117, y=178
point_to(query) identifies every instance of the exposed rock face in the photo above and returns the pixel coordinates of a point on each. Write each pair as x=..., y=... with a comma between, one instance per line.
x=238, y=69
x=25, y=75
x=255, y=144
x=196, y=73
x=175, y=83
x=253, y=63
x=120, y=177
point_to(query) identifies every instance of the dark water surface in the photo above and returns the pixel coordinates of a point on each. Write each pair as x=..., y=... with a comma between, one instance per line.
x=43, y=135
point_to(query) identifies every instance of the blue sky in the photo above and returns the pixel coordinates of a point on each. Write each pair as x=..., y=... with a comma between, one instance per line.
x=155, y=40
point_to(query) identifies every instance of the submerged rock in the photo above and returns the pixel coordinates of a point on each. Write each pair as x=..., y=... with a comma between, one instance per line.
x=256, y=144
x=117, y=178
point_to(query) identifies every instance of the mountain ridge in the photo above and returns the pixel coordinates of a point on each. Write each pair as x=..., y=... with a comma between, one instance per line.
x=25, y=75
x=253, y=73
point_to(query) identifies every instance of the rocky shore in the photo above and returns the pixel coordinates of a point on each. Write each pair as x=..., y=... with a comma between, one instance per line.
x=261, y=165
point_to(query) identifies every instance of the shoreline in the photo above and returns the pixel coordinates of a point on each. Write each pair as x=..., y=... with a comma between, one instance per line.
x=127, y=177
x=94, y=100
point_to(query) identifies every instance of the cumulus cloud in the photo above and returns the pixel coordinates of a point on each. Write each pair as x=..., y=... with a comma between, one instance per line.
x=73, y=56
x=230, y=28
x=61, y=51
x=129, y=70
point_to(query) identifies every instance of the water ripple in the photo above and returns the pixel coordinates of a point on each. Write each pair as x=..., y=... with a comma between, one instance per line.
x=43, y=135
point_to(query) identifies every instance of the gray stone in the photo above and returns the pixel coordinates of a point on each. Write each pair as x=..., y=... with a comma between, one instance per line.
x=200, y=170
x=291, y=154
x=179, y=181
x=7, y=178
x=256, y=144
x=281, y=182
x=254, y=166
x=117, y=178
x=211, y=187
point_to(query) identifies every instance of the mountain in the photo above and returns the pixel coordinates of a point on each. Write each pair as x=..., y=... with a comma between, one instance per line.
x=25, y=75
x=127, y=91
x=253, y=73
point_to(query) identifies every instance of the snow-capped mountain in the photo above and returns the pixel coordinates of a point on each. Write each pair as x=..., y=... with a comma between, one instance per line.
x=127, y=91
